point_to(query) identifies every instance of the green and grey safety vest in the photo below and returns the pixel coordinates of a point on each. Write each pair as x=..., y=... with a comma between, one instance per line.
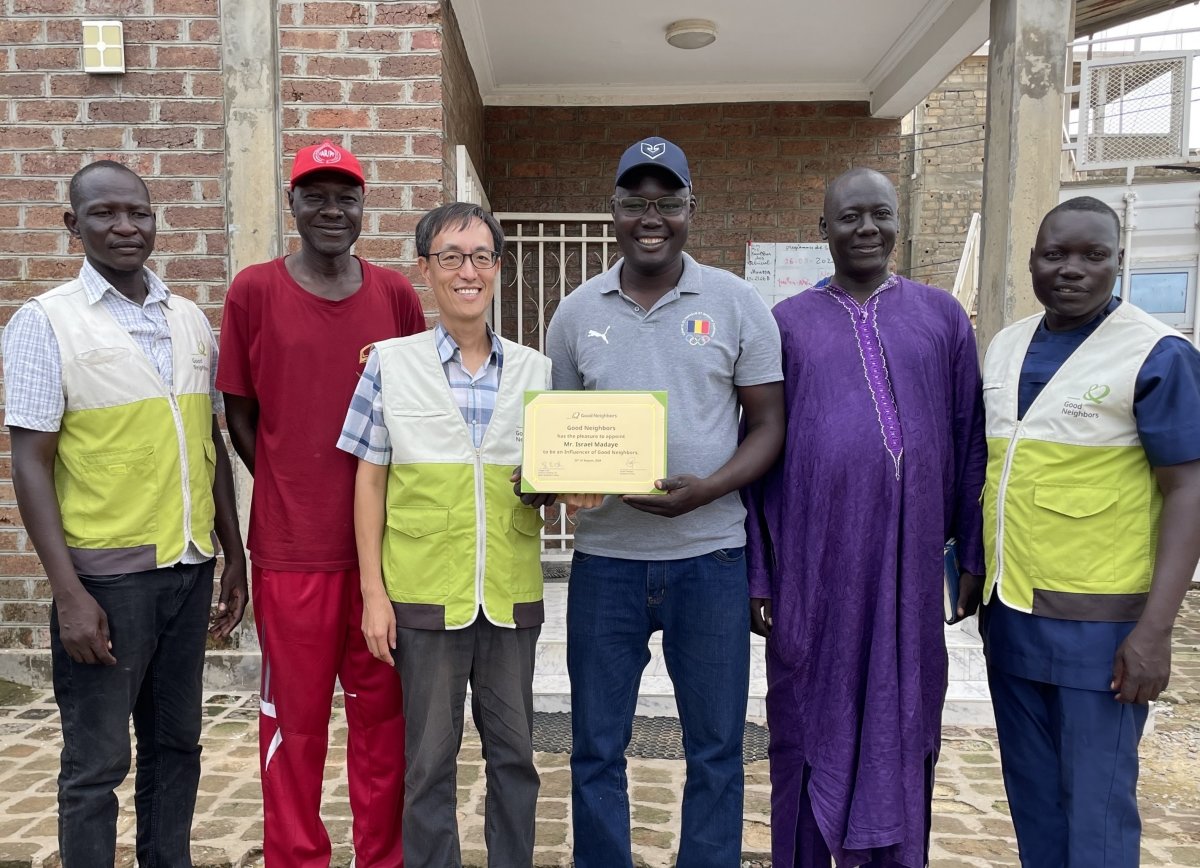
x=135, y=465
x=1071, y=505
x=458, y=539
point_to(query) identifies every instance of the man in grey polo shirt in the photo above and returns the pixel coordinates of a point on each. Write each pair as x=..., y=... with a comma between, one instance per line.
x=672, y=562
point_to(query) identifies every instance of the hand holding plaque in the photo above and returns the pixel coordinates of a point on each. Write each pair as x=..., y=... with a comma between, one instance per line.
x=594, y=442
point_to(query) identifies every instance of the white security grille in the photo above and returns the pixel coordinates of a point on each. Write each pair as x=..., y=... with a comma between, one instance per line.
x=1134, y=112
x=546, y=256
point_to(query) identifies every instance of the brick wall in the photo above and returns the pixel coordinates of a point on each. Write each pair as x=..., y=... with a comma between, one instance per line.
x=946, y=160
x=759, y=169
x=368, y=75
x=461, y=104
x=164, y=118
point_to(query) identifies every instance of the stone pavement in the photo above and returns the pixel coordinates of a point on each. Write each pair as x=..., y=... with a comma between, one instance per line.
x=971, y=825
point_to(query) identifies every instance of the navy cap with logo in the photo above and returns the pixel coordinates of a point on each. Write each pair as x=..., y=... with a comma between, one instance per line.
x=655, y=151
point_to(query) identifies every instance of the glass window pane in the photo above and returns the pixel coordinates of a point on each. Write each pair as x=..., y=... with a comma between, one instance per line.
x=1160, y=292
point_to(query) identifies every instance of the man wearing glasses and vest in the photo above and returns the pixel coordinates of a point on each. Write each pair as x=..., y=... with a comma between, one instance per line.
x=450, y=557
x=121, y=477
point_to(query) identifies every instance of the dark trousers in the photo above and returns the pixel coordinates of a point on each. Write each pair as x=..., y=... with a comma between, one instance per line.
x=435, y=667
x=1070, y=763
x=157, y=621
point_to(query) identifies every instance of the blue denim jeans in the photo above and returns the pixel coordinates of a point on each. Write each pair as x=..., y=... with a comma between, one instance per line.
x=702, y=607
x=158, y=622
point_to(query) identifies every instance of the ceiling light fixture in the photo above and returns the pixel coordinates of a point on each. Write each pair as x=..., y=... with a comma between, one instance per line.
x=692, y=33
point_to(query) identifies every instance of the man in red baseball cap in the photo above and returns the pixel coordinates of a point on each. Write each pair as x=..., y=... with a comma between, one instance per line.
x=294, y=338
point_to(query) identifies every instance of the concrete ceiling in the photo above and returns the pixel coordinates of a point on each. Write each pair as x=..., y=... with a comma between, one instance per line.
x=613, y=52
x=891, y=53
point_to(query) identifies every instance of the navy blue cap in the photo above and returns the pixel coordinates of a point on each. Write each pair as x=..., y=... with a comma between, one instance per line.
x=655, y=151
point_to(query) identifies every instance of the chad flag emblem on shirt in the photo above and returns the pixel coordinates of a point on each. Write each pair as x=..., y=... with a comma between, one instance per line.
x=698, y=328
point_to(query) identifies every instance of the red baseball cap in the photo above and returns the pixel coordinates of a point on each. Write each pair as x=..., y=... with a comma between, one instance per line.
x=326, y=157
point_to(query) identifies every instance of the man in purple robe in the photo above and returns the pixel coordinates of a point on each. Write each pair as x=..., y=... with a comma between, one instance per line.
x=883, y=463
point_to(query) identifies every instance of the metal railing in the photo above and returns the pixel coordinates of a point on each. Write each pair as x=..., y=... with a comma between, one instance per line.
x=1136, y=43
x=546, y=257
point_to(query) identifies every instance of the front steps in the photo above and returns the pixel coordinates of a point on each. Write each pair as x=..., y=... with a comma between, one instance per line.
x=967, y=699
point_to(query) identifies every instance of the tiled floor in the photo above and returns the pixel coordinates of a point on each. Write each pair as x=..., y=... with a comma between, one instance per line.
x=971, y=825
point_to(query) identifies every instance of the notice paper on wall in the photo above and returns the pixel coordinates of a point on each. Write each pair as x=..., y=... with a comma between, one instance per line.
x=780, y=270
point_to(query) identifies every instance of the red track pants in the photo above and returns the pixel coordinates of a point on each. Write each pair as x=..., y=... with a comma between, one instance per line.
x=309, y=631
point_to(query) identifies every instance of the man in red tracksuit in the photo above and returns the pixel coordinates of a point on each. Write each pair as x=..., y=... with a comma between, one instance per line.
x=294, y=338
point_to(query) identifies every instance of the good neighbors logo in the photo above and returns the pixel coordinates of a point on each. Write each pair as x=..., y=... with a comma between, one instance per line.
x=1079, y=407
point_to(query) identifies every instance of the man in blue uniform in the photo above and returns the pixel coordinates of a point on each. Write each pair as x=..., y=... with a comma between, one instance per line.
x=1093, y=488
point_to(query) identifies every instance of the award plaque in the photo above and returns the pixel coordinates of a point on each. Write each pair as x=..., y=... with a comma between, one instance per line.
x=594, y=442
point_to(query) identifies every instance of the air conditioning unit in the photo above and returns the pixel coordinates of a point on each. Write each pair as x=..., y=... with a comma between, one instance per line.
x=1134, y=112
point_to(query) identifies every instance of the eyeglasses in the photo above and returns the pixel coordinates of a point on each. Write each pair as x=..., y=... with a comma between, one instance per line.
x=452, y=260
x=666, y=206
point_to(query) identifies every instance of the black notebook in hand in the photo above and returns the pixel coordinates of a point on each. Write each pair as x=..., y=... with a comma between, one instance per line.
x=950, y=573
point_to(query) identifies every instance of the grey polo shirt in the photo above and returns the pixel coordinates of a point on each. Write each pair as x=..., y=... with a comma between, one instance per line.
x=703, y=339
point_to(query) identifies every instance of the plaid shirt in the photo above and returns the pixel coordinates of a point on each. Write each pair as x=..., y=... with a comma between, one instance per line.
x=365, y=434
x=33, y=389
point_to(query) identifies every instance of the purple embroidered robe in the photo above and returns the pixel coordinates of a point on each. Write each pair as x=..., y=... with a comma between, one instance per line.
x=884, y=461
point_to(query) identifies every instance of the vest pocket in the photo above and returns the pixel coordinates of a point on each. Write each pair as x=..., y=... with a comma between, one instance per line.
x=1074, y=535
x=204, y=507
x=419, y=538
x=103, y=356
x=210, y=460
x=527, y=521
x=527, y=554
x=116, y=496
x=419, y=435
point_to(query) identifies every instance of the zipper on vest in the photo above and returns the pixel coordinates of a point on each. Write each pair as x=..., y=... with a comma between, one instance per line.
x=1001, y=493
x=480, y=532
x=184, y=475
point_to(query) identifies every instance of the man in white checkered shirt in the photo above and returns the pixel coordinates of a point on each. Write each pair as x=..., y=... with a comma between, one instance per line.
x=122, y=478
x=449, y=557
